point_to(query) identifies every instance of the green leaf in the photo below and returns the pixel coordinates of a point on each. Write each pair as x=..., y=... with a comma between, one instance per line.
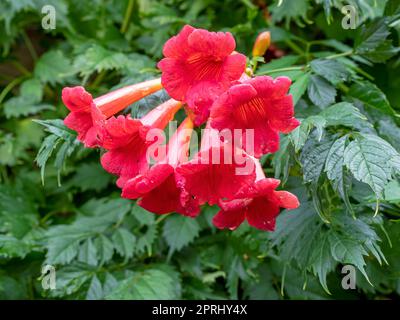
x=179, y=231
x=346, y=250
x=313, y=158
x=342, y=113
x=97, y=58
x=95, y=291
x=371, y=96
x=334, y=168
x=104, y=248
x=53, y=67
x=290, y=10
x=59, y=134
x=146, y=241
x=33, y=89
x=299, y=136
x=370, y=160
x=373, y=44
x=88, y=253
x=124, y=243
x=392, y=191
x=298, y=88
x=320, y=92
x=150, y=284
x=91, y=176
x=23, y=106
x=321, y=260
x=64, y=241
x=332, y=70
x=284, y=62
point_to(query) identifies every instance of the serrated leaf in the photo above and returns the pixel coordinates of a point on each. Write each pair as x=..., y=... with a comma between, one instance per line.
x=95, y=291
x=342, y=113
x=124, y=243
x=63, y=241
x=179, y=231
x=151, y=284
x=299, y=135
x=335, y=172
x=53, y=67
x=320, y=91
x=332, y=70
x=346, y=250
x=321, y=261
x=88, y=253
x=283, y=62
x=90, y=176
x=369, y=158
x=104, y=248
x=313, y=158
x=98, y=58
x=299, y=87
x=373, y=44
x=147, y=239
x=371, y=96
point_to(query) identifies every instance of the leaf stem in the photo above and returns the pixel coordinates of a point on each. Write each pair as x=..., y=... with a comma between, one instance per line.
x=338, y=55
x=127, y=16
x=10, y=86
x=29, y=46
x=282, y=69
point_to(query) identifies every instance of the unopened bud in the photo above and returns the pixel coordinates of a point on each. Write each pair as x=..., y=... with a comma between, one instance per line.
x=261, y=44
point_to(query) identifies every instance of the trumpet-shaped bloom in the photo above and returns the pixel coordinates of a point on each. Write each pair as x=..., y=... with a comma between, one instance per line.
x=217, y=172
x=262, y=104
x=159, y=188
x=87, y=113
x=198, y=66
x=127, y=141
x=259, y=204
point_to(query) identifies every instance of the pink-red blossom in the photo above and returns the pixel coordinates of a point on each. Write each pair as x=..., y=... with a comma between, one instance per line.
x=159, y=189
x=261, y=104
x=126, y=140
x=87, y=113
x=259, y=204
x=218, y=170
x=198, y=66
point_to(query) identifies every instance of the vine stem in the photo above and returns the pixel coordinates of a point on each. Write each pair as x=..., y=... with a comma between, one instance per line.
x=338, y=55
x=29, y=46
x=10, y=86
x=127, y=16
x=282, y=69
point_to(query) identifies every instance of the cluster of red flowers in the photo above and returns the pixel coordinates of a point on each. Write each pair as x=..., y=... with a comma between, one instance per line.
x=203, y=74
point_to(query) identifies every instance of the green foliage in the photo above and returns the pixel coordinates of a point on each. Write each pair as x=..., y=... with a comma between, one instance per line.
x=59, y=207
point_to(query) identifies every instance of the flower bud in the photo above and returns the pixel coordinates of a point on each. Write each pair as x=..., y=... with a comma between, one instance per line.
x=261, y=44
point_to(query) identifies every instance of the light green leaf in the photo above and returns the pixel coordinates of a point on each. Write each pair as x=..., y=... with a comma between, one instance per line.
x=369, y=158
x=179, y=231
x=332, y=70
x=298, y=88
x=124, y=242
x=150, y=284
x=53, y=67
x=321, y=92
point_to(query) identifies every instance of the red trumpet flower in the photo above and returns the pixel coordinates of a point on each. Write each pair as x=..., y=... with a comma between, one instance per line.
x=86, y=111
x=198, y=66
x=218, y=171
x=159, y=188
x=127, y=141
x=259, y=204
x=261, y=104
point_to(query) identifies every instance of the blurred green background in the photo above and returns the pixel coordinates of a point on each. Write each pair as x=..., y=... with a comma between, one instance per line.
x=107, y=247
